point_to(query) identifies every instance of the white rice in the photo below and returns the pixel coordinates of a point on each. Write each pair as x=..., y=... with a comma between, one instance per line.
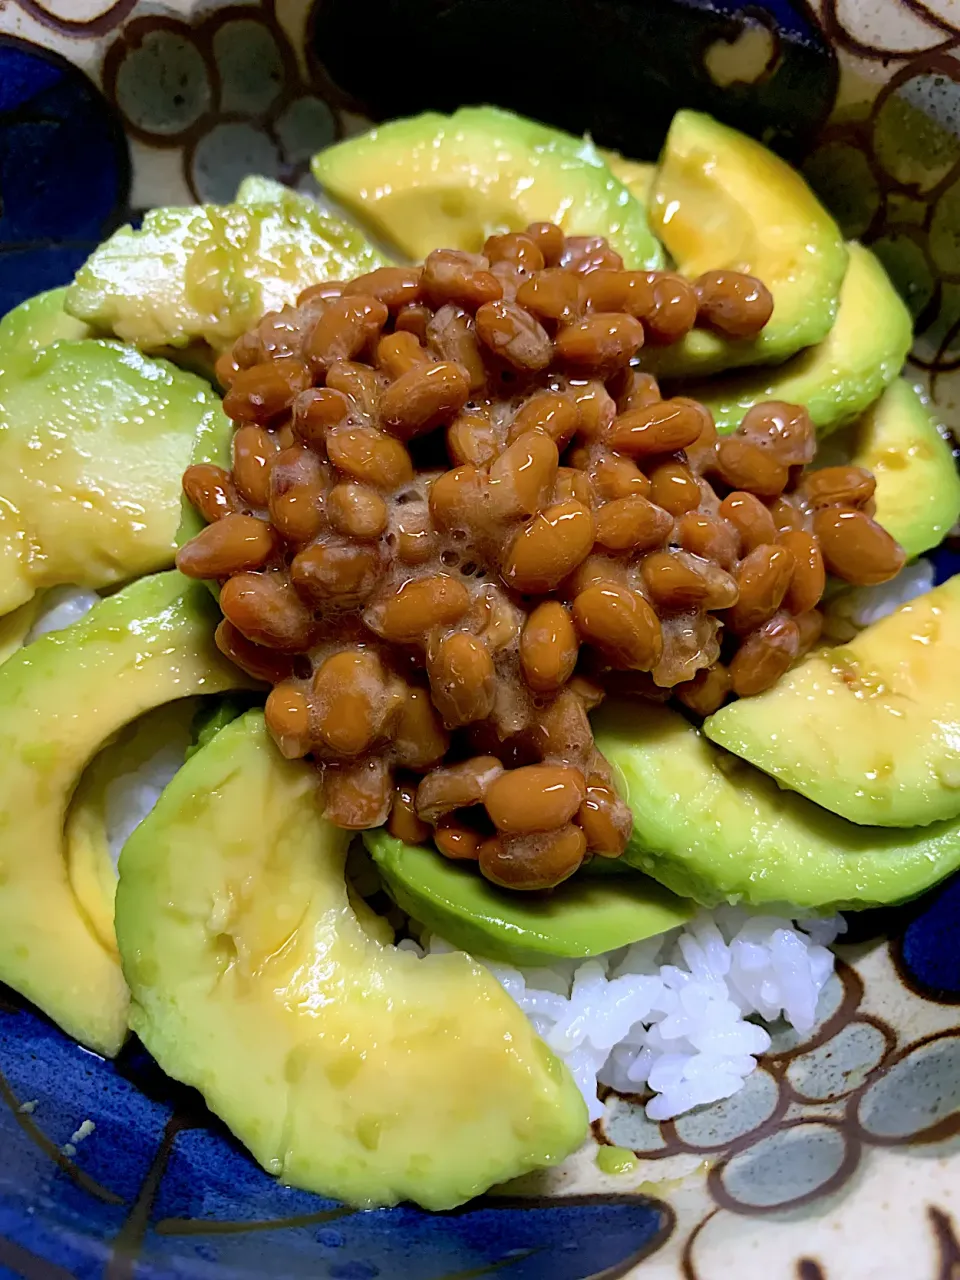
x=672, y=1015
x=859, y=607
x=129, y=797
x=60, y=608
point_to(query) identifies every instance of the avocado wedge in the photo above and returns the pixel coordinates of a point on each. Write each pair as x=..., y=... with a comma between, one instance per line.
x=871, y=729
x=842, y=375
x=348, y=1067
x=636, y=175
x=36, y=324
x=206, y=273
x=723, y=201
x=94, y=440
x=61, y=699
x=585, y=916
x=712, y=827
x=918, y=486
x=439, y=182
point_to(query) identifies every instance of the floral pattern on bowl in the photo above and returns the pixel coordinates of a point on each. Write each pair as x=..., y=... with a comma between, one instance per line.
x=841, y=1157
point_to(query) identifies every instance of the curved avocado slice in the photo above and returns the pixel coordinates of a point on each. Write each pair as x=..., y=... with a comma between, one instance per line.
x=60, y=700
x=206, y=273
x=94, y=440
x=636, y=175
x=584, y=916
x=37, y=323
x=348, y=1067
x=710, y=826
x=918, y=487
x=15, y=626
x=871, y=729
x=158, y=740
x=841, y=376
x=723, y=201
x=434, y=181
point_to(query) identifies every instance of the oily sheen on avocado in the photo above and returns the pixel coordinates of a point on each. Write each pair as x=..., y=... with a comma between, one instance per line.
x=94, y=439
x=348, y=1065
x=715, y=829
x=254, y=979
x=61, y=699
x=434, y=181
x=869, y=730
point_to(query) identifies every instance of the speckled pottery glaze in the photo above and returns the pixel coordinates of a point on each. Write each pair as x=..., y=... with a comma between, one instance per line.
x=840, y=1160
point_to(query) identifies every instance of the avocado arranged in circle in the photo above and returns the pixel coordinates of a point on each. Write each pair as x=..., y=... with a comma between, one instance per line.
x=842, y=375
x=584, y=916
x=36, y=324
x=61, y=699
x=721, y=201
x=94, y=440
x=449, y=182
x=871, y=729
x=918, y=487
x=206, y=273
x=713, y=827
x=348, y=1067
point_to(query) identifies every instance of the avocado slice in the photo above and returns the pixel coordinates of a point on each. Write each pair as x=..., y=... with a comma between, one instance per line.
x=61, y=699
x=723, y=201
x=636, y=175
x=206, y=273
x=584, y=916
x=918, y=488
x=15, y=626
x=842, y=375
x=348, y=1067
x=716, y=829
x=94, y=440
x=870, y=729
x=434, y=181
x=36, y=324
x=144, y=754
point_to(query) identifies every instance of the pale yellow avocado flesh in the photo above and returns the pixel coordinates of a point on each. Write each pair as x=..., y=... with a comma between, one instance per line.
x=721, y=201
x=636, y=175
x=841, y=376
x=15, y=627
x=348, y=1067
x=713, y=827
x=918, y=487
x=61, y=699
x=94, y=440
x=207, y=273
x=871, y=729
x=448, y=182
x=36, y=323
x=86, y=833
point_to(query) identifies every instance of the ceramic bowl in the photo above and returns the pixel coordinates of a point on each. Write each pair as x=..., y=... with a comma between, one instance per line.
x=841, y=1157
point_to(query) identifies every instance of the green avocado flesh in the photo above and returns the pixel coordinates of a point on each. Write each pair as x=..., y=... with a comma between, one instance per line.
x=585, y=916
x=348, y=1067
x=841, y=376
x=37, y=323
x=721, y=201
x=711, y=827
x=438, y=182
x=636, y=175
x=94, y=440
x=871, y=729
x=207, y=273
x=61, y=700
x=918, y=487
